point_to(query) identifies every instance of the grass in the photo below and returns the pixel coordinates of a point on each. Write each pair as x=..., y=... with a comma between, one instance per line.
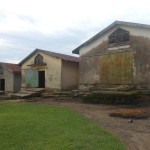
x=28, y=126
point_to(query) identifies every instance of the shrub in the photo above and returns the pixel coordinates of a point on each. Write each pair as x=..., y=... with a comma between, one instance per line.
x=115, y=97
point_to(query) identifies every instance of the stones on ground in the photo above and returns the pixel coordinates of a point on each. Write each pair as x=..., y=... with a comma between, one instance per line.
x=130, y=120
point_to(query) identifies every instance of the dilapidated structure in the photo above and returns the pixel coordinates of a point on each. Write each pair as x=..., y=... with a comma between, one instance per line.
x=10, y=77
x=46, y=69
x=118, y=55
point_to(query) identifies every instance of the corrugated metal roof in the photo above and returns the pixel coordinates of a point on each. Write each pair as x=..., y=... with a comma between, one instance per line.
x=12, y=67
x=62, y=56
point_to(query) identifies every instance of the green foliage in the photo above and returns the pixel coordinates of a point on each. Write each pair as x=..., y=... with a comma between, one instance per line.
x=27, y=126
x=111, y=98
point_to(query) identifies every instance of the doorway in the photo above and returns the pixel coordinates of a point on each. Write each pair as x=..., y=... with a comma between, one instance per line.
x=41, y=79
x=2, y=84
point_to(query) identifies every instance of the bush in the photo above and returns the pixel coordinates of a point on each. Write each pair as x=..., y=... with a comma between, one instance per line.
x=115, y=97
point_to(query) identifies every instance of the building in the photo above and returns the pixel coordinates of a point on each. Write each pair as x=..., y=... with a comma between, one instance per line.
x=118, y=55
x=45, y=69
x=10, y=77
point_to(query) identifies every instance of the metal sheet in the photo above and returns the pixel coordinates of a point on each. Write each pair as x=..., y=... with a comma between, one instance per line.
x=31, y=78
x=116, y=68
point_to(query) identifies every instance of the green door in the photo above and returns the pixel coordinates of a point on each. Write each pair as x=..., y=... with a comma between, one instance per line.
x=31, y=78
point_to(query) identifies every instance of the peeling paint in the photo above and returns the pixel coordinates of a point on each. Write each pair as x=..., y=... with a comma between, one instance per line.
x=123, y=65
x=116, y=68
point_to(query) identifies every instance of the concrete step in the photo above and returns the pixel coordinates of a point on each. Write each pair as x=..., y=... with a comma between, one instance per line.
x=50, y=95
x=116, y=88
x=20, y=95
x=33, y=89
x=2, y=92
x=4, y=97
x=64, y=93
x=27, y=93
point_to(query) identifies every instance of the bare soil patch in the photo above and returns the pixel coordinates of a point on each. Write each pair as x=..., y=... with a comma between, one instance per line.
x=131, y=113
x=135, y=135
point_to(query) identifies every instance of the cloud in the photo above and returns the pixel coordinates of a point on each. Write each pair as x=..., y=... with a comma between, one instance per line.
x=60, y=26
x=2, y=16
x=23, y=43
x=29, y=19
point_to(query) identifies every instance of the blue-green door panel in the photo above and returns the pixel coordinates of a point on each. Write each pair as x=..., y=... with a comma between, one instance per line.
x=32, y=78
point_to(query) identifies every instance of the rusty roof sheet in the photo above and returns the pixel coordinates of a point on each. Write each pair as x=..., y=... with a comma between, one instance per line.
x=12, y=67
x=62, y=56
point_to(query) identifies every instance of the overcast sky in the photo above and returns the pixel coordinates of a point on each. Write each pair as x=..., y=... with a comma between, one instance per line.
x=60, y=25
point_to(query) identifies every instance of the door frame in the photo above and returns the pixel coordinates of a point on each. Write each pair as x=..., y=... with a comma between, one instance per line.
x=41, y=78
x=2, y=85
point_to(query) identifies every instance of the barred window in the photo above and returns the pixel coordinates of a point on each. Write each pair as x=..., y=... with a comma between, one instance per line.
x=119, y=36
x=38, y=59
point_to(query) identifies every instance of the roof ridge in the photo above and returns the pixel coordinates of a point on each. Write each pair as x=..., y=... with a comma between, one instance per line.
x=55, y=52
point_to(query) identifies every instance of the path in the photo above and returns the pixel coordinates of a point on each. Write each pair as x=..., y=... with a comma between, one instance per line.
x=135, y=135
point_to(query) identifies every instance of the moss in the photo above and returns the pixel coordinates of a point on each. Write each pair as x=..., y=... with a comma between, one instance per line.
x=115, y=97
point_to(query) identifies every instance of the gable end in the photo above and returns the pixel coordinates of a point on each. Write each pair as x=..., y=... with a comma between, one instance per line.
x=118, y=37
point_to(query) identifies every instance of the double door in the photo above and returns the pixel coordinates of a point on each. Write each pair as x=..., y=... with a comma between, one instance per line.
x=35, y=78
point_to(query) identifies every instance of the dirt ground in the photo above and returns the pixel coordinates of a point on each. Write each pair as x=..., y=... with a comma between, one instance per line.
x=136, y=135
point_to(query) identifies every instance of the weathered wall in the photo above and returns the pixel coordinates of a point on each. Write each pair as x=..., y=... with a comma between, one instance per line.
x=69, y=77
x=118, y=65
x=104, y=66
x=12, y=80
x=89, y=65
x=89, y=70
x=52, y=70
x=8, y=76
x=116, y=68
x=141, y=70
x=17, y=82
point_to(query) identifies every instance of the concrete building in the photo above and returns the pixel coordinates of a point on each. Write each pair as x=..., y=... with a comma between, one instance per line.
x=10, y=77
x=45, y=69
x=118, y=55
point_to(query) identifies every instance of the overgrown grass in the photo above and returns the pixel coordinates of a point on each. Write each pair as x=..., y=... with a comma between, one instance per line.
x=27, y=126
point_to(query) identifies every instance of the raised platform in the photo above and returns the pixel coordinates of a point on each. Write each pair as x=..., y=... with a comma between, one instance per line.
x=28, y=92
x=2, y=92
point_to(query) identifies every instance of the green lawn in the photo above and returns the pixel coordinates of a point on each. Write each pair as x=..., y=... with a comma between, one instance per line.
x=28, y=126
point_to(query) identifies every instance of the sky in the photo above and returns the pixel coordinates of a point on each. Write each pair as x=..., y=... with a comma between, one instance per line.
x=60, y=25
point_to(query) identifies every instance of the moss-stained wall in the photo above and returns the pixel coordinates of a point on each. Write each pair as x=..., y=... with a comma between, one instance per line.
x=104, y=66
x=116, y=68
x=120, y=64
x=127, y=64
x=89, y=70
x=100, y=49
x=141, y=70
x=89, y=65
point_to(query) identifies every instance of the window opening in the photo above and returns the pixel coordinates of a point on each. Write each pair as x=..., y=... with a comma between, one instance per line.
x=38, y=59
x=119, y=36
